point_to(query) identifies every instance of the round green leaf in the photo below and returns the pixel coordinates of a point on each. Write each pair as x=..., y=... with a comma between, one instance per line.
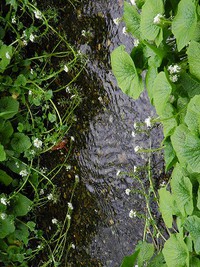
x=21, y=205
x=20, y=142
x=184, y=23
x=8, y=107
x=6, y=225
x=148, y=28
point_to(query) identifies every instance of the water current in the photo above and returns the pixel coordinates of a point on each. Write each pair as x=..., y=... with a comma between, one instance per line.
x=107, y=157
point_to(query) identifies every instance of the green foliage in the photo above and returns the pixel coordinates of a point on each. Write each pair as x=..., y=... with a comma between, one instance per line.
x=169, y=53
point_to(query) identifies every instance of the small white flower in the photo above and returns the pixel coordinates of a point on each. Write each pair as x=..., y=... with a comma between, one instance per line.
x=66, y=69
x=72, y=96
x=124, y=30
x=77, y=178
x=32, y=37
x=163, y=184
x=157, y=18
x=38, y=14
x=30, y=92
x=83, y=33
x=50, y=196
x=133, y=134
x=134, y=169
x=67, y=89
x=41, y=192
x=118, y=172
x=68, y=217
x=174, y=69
x=54, y=221
x=73, y=246
x=70, y=205
x=8, y=55
x=137, y=148
x=25, y=42
x=173, y=78
x=3, y=216
x=4, y=201
x=37, y=143
x=136, y=42
x=117, y=21
x=72, y=139
x=17, y=164
x=132, y=214
x=31, y=71
x=13, y=20
x=68, y=167
x=133, y=2
x=135, y=125
x=23, y=173
x=127, y=191
x=148, y=122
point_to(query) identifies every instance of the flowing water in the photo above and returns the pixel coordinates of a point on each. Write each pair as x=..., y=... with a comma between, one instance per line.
x=106, y=155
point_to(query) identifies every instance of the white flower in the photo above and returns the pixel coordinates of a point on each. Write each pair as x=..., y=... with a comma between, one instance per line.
x=137, y=148
x=66, y=69
x=8, y=55
x=38, y=14
x=68, y=167
x=133, y=134
x=135, y=125
x=17, y=164
x=157, y=18
x=31, y=71
x=133, y=2
x=136, y=42
x=50, y=196
x=124, y=30
x=173, y=78
x=67, y=89
x=77, y=178
x=3, y=216
x=23, y=173
x=174, y=69
x=54, y=221
x=118, y=173
x=25, y=42
x=83, y=33
x=148, y=122
x=41, y=192
x=32, y=37
x=4, y=201
x=13, y=20
x=117, y=21
x=37, y=143
x=134, y=169
x=127, y=191
x=73, y=246
x=72, y=139
x=70, y=205
x=132, y=214
x=163, y=184
x=68, y=217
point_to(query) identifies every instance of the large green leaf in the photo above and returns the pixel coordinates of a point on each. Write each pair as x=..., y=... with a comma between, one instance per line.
x=125, y=72
x=168, y=120
x=187, y=147
x=192, y=225
x=21, y=205
x=146, y=252
x=193, y=52
x=150, y=9
x=184, y=23
x=20, y=142
x=170, y=155
x=132, y=20
x=157, y=261
x=161, y=92
x=6, y=132
x=129, y=261
x=5, y=178
x=189, y=84
x=5, y=56
x=6, y=225
x=166, y=206
x=2, y=153
x=150, y=78
x=192, y=118
x=176, y=252
x=182, y=191
x=8, y=107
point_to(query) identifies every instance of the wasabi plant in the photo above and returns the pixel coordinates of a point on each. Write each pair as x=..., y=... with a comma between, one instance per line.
x=32, y=124
x=165, y=61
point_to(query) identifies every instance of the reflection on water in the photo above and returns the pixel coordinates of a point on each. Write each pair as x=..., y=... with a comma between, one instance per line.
x=107, y=156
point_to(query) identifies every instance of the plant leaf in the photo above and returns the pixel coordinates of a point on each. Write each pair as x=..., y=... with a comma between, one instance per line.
x=193, y=53
x=146, y=252
x=192, y=118
x=2, y=153
x=6, y=225
x=8, y=107
x=187, y=147
x=132, y=20
x=170, y=155
x=161, y=92
x=182, y=191
x=192, y=225
x=5, y=56
x=125, y=72
x=184, y=23
x=129, y=261
x=168, y=120
x=20, y=142
x=190, y=85
x=166, y=204
x=150, y=9
x=5, y=178
x=21, y=205
x=176, y=252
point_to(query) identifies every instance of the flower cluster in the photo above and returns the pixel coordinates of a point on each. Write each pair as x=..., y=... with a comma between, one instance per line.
x=132, y=214
x=173, y=71
x=157, y=18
